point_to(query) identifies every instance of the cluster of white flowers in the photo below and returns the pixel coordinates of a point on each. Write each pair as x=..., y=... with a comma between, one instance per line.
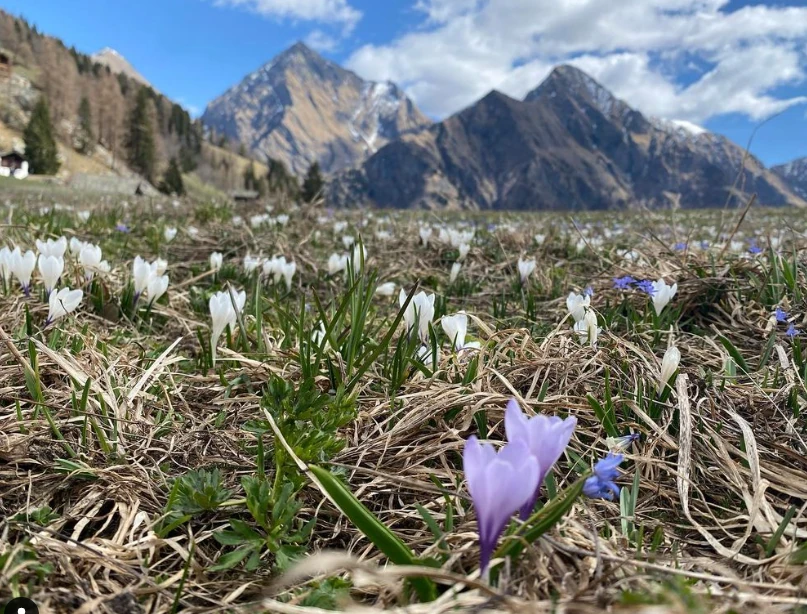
x=149, y=278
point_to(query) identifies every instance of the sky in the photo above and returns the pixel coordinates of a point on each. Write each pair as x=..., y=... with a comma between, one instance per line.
x=731, y=66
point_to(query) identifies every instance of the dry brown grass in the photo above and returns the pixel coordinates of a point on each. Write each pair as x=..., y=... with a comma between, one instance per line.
x=718, y=469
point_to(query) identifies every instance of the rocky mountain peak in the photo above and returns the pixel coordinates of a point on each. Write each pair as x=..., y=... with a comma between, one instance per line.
x=301, y=107
x=795, y=174
x=566, y=81
x=118, y=64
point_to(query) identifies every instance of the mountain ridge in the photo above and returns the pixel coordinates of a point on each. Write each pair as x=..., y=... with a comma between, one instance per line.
x=577, y=146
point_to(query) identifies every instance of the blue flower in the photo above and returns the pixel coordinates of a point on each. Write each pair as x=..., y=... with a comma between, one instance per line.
x=704, y=244
x=754, y=248
x=647, y=286
x=122, y=228
x=680, y=246
x=601, y=485
x=623, y=283
x=589, y=291
x=781, y=315
x=792, y=331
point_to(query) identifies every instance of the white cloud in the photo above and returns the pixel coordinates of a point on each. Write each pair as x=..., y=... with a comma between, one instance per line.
x=321, y=41
x=636, y=48
x=326, y=11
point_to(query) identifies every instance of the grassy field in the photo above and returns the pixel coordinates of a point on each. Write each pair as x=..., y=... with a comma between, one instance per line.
x=318, y=463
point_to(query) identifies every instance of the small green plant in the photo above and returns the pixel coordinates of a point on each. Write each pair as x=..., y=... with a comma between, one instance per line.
x=280, y=531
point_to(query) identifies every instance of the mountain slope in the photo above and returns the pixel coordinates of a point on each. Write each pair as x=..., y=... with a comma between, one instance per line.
x=570, y=144
x=301, y=108
x=118, y=64
x=794, y=174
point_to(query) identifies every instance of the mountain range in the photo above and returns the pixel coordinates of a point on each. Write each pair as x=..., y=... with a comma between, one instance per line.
x=569, y=144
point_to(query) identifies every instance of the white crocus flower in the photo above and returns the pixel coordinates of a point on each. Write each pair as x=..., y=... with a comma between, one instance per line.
x=282, y=219
x=587, y=328
x=157, y=287
x=382, y=235
x=359, y=257
x=669, y=364
x=62, y=302
x=577, y=304
x=339, y=227
x=5, y=264
x=141, y=275
x=540, y=238
x=159, y=266
x=419, y=313
x=337, y=263
x=387, y=289
x=662, y=294
x=348, y=241
x=251, y=263
x=52, y=247
x=50, y=269
x=90, y=258
x=288, y=271
x=169, y=233
x=192, y=231
x=455, y=272
x=76, y=245
x=425, y=235
x=425, y=355
x=455, y=328
x=224, y=309
x=83, y=215
x=463, y=249
x=216, y=260
x=525, y=269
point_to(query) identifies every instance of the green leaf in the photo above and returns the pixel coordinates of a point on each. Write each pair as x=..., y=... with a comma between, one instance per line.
x=372, y=528
x=735, y=354
x=542, y=521
x=231, y=559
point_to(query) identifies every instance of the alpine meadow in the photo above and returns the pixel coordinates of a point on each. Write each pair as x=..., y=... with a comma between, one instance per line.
x=314, y=348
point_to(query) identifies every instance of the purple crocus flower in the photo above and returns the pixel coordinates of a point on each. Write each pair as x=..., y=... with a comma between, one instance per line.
x=781, y=315
x=623, y=283
x=680, y=246
x=499, y=484
x=754, y=248
x=601, y=485
x=546, y=437
x=646, y=286
x=589, y=291
x=704, y=244
x=122, y=228
x=792, y=331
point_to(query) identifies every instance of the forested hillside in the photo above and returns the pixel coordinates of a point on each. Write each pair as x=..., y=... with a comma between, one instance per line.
x=117, y=122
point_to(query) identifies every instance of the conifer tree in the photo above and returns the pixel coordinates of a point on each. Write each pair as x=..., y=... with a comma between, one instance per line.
x=172, y=179
x=40, y=144
x=250, y=180
x=313, y=183
x=85, y=138
x=140, y=146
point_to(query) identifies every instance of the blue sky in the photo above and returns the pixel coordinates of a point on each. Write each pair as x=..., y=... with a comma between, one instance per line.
x=727, y=65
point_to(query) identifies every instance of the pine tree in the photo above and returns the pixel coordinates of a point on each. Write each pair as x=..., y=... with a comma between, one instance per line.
x=40, y=145
x=172, y=179
x=140, y=145
x=313, y=183
x=250, y=180
x=85, y=140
